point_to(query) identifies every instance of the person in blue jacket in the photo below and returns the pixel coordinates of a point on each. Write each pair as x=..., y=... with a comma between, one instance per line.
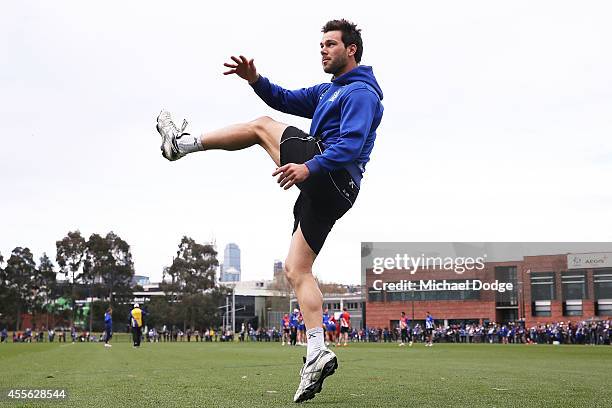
x=326, y=164
x=108, y=327
x=293, y=324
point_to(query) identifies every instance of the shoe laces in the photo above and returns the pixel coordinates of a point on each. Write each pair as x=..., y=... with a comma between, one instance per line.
x=182, y=132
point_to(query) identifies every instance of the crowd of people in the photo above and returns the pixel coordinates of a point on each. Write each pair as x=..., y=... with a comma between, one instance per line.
x=581, y=332
x=50, y=335
x=291, y=332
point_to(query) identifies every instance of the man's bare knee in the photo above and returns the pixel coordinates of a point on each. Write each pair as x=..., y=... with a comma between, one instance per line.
x=261, y=125
x=293, y=273
x=269, y=133
x=290, y=273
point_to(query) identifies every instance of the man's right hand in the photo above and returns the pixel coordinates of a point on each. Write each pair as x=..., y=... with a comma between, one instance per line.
x=242, y=67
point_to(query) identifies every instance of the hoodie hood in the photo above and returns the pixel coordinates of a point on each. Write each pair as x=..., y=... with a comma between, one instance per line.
x=362, y=73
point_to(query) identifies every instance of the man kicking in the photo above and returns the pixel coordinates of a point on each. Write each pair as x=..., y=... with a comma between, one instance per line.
x=327, y=164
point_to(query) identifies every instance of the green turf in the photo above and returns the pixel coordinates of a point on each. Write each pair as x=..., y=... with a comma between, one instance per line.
x=266, y=375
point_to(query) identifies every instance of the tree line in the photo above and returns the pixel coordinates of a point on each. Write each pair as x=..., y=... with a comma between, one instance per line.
x=102, y=268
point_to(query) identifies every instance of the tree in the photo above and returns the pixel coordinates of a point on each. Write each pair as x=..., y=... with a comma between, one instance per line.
x=6, y=296
x=70, y=256
x=195, y=266
x=18, y=273
x=42, y=283
x=192, y=272
x=118, y=278
x=109, y=262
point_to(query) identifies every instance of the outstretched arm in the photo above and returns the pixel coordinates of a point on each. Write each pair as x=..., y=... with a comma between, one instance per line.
x=301, y=102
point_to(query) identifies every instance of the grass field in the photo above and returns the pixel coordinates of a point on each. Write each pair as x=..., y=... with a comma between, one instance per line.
x=266, y=375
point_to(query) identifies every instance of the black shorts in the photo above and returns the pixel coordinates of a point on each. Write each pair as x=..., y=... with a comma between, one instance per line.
x=429, y=332
x=286, y=330
x=344, y=329
x=325, y=197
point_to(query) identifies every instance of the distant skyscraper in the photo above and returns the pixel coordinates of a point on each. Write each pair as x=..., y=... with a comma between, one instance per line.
x=278, y=268
x=230, y=269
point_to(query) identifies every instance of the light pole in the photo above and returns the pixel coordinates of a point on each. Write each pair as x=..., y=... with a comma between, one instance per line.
x=90, y=305
x=234, y=310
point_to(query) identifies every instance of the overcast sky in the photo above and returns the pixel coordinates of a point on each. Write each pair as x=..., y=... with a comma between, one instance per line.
x=497, y=124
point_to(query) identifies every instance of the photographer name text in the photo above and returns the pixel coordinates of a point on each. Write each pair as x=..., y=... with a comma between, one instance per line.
x=433, y=284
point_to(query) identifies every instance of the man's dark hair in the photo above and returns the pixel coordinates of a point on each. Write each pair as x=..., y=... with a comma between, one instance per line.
x=350, y=34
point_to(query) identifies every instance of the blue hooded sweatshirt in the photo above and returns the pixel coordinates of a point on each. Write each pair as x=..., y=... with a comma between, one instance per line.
x=345, y=114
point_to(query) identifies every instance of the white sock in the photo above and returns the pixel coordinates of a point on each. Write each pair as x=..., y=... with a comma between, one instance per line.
x=189, y=144
x=315, y=342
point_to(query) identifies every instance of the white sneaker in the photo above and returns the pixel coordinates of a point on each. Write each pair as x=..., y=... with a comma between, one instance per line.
x=313, y=373
x=170, y=133
x=107, y=345
x=401, y=344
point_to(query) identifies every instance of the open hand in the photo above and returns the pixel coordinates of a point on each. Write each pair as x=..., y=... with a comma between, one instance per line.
x=291, y=174
x=242, y=67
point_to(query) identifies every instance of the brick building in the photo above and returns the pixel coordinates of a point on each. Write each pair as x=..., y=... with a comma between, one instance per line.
x=546, y=288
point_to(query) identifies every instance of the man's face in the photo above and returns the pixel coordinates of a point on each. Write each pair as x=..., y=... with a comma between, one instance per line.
x=334, y=54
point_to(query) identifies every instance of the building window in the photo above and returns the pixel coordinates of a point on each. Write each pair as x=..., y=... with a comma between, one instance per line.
x=542, y=286
x=572, y=308
x=509, y=297
x=397, y=296
x=434, y=295
x=541, y=308
x=574, y=285
x=602, y=282
x=603, y=307
x=375, y=295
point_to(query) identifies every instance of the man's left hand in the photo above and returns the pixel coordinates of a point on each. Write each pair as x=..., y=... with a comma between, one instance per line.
x=291, y=174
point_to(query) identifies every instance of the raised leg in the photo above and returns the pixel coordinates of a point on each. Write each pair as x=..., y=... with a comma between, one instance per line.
x=263, y=131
